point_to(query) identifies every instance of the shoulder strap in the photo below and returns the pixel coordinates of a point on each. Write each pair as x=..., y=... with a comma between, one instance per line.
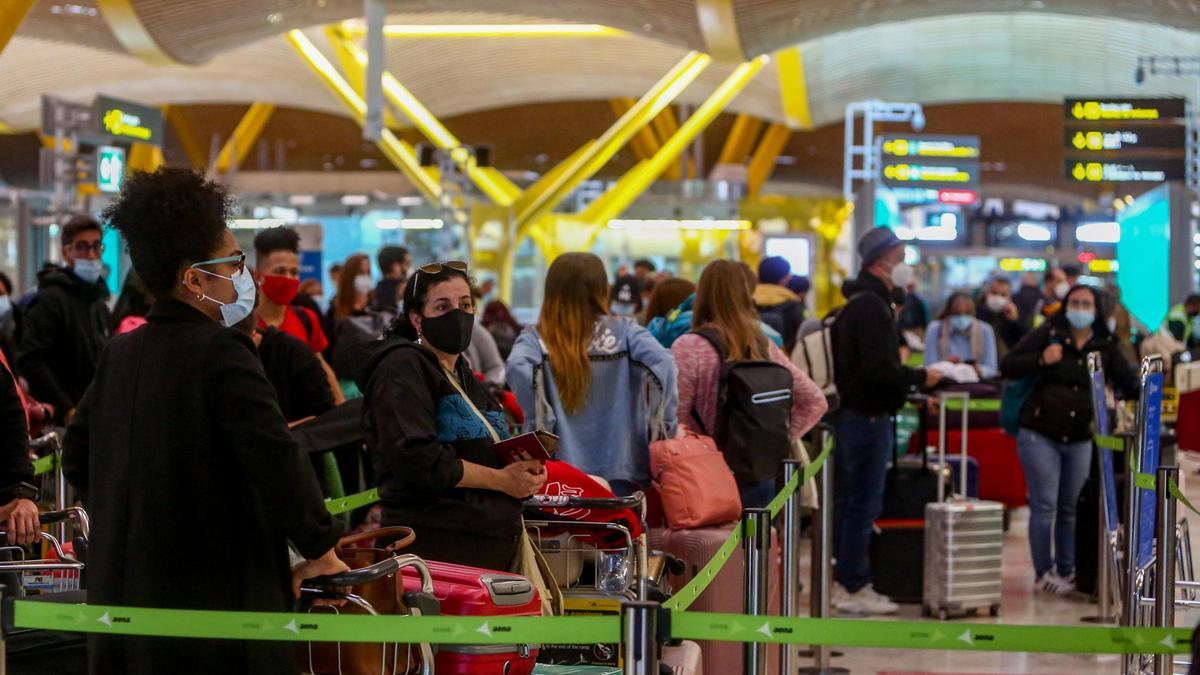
x=714, y=338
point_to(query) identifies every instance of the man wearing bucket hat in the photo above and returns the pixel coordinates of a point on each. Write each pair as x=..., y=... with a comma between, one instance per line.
x=872, y=385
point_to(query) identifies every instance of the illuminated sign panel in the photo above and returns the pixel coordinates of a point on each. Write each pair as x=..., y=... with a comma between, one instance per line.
x=110, y=168
x=928, y=146
x=1087, y=140
x=124, y=120
x=1124, y=171
x=947, y=166
x=1123, y=109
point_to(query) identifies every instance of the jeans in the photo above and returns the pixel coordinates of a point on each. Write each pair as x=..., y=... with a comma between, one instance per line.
x=864, y=446
x=1055, y=474
x=757, y=495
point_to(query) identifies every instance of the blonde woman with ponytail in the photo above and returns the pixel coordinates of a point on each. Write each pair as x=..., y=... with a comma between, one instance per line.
x=600, y=382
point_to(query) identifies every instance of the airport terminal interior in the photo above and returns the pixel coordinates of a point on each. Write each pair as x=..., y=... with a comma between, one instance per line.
x=636, y=336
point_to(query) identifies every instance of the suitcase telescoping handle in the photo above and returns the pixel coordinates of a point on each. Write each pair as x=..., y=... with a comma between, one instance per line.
x=597, y=503
x=946, y=397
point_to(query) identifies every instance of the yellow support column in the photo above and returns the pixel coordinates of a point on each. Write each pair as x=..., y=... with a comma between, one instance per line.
x=187, y=138
x=740, y=139
x=144, y=157
x=597, y=155
x=12, y=13
x=762, y=165
x=666, y=126
x=644, y=142
x=638, y=179
x=234, y=152
x=397, y=151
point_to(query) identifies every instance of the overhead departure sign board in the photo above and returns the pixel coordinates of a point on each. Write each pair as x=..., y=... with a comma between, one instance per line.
x=947, y=164
x=1125, y=171
x=931, y=147
x=123, y=120
x=1093, y=139
x=1123, y=109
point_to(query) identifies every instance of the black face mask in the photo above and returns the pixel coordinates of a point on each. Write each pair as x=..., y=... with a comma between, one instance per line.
x=449, y=333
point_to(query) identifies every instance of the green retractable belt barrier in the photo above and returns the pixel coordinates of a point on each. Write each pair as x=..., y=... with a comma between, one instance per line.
x=45, y=464
x=357, y=500
x=930, y=635
x=485, y=630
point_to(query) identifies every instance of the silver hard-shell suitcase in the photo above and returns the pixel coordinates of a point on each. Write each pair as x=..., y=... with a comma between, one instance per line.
x=964, y=541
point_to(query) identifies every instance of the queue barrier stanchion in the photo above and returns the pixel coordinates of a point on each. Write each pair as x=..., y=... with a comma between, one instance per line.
x=790, y=541
x=639, y=637
x=756, y=545
x=1164, y=563
x=821, y=572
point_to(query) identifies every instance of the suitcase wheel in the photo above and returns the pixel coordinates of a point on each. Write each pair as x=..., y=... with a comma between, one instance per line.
x=943, y=614
x=994, y=610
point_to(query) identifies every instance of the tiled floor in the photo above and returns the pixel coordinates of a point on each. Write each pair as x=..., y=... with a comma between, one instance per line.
x=1020, y=606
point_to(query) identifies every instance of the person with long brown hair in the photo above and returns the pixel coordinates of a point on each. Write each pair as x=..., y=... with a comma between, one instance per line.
x=725, y=308
x=583, y=374
x=668, y=294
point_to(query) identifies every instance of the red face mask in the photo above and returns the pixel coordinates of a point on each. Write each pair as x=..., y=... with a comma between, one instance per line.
x=279, y=289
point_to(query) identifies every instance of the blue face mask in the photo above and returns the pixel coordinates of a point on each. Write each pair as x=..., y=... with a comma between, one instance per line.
x=962, y=323
x=5, y=305
x=1080, y=318
x=88, y=270
x=622, y=308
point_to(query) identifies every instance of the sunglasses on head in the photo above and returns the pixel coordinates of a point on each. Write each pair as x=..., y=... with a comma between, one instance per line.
x=436, y=267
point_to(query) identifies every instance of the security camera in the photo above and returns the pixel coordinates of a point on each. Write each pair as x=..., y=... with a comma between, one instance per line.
x=1139, y=75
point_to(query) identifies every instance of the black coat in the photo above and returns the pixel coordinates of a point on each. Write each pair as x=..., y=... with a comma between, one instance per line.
x=15, y=465
x=296, y=374
x=194, y=486
x=62, y=334
x=1008, y=331
x=1060, y=406
x=419, y=431
x=866, y=351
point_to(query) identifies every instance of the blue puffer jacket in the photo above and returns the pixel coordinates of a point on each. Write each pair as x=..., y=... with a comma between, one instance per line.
x=678, y=322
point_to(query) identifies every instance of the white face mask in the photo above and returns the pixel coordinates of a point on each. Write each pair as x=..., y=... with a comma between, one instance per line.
x=232, y=313
x=362, y=283
x=88, y=270
x=1061, y=290
x=902, y=275
x=996, y=303
x=1111, y=322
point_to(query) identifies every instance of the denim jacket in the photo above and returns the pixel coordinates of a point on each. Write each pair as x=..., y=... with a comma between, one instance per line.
x=633, y=390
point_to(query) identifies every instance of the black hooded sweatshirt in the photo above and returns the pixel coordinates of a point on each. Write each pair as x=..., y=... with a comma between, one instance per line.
x=419, y=430
x=62, y=335
x=866, y=350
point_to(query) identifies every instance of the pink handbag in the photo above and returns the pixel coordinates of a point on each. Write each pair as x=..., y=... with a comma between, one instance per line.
x=695, y=483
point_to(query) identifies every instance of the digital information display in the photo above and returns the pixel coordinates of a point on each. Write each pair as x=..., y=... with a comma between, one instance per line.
x=1124, y=171
x=948, y=164
x=1123, y=109
x=931, y=175
x=1087, y=140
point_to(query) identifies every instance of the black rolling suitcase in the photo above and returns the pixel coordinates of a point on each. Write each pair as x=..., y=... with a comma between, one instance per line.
x=897, y=550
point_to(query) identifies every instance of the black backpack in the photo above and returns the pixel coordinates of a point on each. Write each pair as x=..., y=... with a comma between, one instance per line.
x=754, y=414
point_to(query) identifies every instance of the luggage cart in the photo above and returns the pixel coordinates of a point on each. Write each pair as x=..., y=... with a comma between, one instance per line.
x=616, y=554
x=326, y=588
x=57, y=576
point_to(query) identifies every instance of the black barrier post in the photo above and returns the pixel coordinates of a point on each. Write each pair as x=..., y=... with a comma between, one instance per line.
x=639, y=637
x=756, y=542
x=1164, y=562
x=790, y=541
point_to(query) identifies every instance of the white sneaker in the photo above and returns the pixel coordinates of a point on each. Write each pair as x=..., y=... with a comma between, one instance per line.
x=864, y=601
x=1053, y=584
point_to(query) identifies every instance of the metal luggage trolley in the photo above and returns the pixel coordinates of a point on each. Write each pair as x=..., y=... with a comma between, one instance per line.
x=325, y=588
x=60, y=572
x=616, y=556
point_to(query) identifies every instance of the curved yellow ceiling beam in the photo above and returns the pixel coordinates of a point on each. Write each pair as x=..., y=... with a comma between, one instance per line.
x=129, y=30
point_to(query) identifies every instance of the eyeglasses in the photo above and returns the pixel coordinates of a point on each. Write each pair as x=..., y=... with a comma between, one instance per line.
x=82, y=247
x=238, y=260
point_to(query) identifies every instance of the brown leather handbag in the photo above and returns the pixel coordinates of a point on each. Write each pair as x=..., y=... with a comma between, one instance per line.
x=375, y=586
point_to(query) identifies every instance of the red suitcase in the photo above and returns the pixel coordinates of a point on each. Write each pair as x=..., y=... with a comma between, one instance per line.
x=471, y=591
x=726, y=593
x=1001, y=477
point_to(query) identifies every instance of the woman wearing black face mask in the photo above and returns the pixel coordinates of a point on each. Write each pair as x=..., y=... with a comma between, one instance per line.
x=431, y=427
